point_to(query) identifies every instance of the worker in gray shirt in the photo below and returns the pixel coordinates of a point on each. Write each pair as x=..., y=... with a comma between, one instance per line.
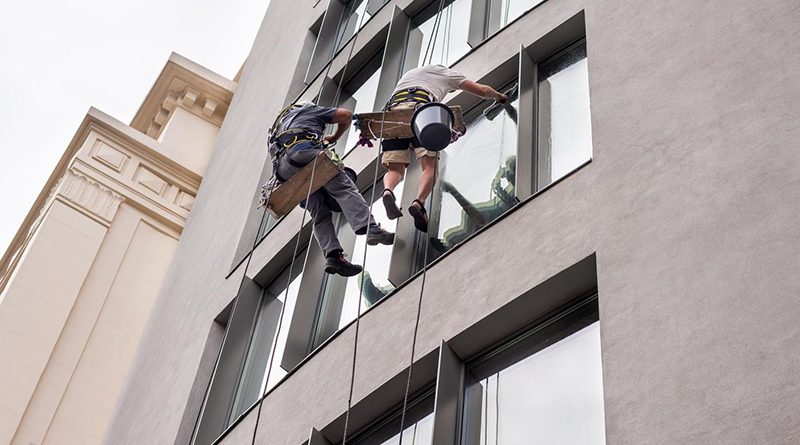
x=430, y=83
x=296, y=138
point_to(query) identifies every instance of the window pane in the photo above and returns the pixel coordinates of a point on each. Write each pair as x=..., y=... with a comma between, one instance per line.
x=274, y=296
x=451, y=40
x=364, y=89
x=554, y=396
x=354, y=16
x=475, y=183
x=339, y=301
x=420, y=433
x=503, y=12
x=565, y=131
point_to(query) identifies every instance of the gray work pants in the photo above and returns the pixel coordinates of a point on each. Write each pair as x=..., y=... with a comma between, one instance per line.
x=340, y=188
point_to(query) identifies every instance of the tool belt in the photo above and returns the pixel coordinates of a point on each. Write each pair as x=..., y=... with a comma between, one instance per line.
x=288, y=140
x=415, y=95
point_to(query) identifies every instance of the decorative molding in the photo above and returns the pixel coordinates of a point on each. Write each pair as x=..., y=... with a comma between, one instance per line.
x=185, y=200
x=89, y=195
x=151, y=180
x=108, y=155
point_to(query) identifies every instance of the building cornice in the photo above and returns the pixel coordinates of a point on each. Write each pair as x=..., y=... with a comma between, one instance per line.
x=183, y=83
x=92, y=177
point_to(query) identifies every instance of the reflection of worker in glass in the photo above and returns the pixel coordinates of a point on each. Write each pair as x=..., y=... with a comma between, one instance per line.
x=421, y=85
x=476, y=215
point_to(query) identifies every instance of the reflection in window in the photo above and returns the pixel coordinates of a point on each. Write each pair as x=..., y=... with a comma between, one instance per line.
x=254, y=372
x=267, y=223
x=503, y=12
x=554, y=396
x=420, y=433
x=475, y=184
x=340, y=294
x=354, y=16
x=451, y=41
x=565, y=131
x=359, y=96
x=418, y=428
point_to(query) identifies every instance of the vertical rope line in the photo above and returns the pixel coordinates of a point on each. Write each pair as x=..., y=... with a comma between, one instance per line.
x=425, y=261
x=434, y=35
x=361, y=286
x=497, y=409
x=416, y=323
x=270, y=362
x=302, y=222
x=233, y=311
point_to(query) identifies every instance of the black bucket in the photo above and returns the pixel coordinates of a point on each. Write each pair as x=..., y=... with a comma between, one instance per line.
x=432, y=124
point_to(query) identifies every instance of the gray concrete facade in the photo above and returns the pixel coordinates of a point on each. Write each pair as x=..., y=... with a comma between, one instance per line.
x=689, y=208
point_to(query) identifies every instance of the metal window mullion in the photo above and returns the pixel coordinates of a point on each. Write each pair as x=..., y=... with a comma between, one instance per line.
x=527, y=150
x=393, y=54
x=326, y=39
x=448, y=404
x=478, y=24
x=316, y=438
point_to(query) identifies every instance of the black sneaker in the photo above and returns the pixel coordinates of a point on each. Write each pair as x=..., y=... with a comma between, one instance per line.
x=377, y=235
x=338, y=264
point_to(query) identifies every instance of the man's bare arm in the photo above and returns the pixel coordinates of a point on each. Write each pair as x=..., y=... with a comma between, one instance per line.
x=484, y=91
x=342, y=118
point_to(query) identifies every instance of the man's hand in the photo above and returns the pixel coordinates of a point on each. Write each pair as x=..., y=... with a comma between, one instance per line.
x=329, y=139
x=502, y=98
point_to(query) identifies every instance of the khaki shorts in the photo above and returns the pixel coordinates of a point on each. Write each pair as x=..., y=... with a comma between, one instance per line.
x=392, y=151
x=404, y=156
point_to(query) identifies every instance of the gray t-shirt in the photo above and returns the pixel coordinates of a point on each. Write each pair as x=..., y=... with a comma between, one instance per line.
x=308, y=117
x=436, y=79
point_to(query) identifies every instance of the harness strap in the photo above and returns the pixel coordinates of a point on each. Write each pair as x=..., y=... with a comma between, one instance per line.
x=414, y=94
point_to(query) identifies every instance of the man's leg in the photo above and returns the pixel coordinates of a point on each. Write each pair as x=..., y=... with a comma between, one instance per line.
x=325, y=233
x=356, y=210
x=429, y=162
x=324, y=230
x=427, y=177
x=395, y=160
x=395, y=172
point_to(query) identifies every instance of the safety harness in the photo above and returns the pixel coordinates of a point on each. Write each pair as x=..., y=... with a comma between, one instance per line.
x=286, y=140
x=414, y=95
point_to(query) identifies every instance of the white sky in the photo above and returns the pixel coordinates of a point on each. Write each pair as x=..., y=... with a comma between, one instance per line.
x=59, y=57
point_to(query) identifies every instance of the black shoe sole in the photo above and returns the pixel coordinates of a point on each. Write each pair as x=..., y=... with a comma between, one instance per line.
x=420, y=220
x=345, y=272
x=389, y=203
x=387, y=239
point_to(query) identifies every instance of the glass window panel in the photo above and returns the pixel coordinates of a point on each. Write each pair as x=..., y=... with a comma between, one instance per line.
x=418, y=430
x=354, y=16
x=362, y=99
x=554, y=396
x=420, y=433
x=254, y=371
x=565, y=131
x=503, y=12
x=475, y=182
x=339, y=301
x=450, y=43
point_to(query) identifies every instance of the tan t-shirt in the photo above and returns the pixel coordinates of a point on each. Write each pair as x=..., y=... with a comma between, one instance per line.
x=436, y=79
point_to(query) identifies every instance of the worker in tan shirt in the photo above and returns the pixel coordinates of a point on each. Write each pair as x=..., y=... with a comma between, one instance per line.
x=430, y=83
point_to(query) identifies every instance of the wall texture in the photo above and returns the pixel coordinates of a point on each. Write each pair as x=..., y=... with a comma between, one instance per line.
x=689, y=205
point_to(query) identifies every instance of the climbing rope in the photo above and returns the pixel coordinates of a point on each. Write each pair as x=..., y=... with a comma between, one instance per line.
x=432, y=46
x=270, y=362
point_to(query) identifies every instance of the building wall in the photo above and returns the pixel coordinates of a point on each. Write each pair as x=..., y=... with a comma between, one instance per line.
x=687, y=205
x=81, y=277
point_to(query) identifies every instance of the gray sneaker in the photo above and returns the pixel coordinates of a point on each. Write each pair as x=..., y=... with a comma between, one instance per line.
x=377, y=235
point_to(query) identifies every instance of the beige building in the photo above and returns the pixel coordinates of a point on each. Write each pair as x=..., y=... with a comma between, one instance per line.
x=78, y=282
